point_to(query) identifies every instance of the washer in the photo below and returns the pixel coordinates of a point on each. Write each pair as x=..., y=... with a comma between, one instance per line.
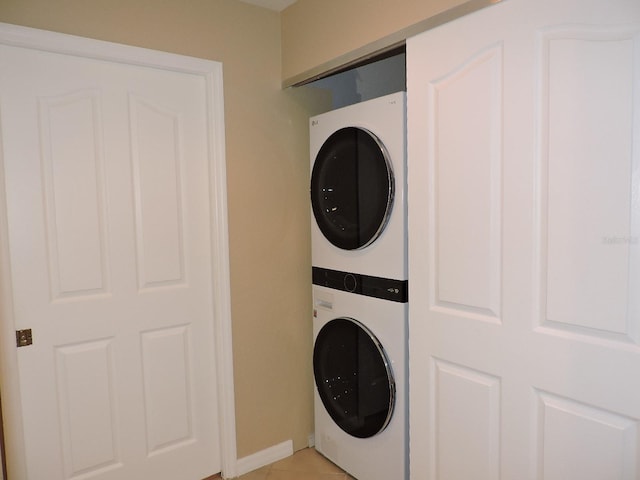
x=358, y=185
x=361, y=375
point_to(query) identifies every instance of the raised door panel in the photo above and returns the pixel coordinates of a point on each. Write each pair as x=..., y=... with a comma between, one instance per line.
x=74, y=193
x=158, y=160
x=465, y=129
x=466, y=412
x=168, y=388
x=88, y=410
x=583, y=442
x=589, y=166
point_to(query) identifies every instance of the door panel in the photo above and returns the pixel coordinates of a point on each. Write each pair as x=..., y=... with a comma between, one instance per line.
x=523, y=243
x=467, y=209
x=75, y=236
x=167, y=388
x=584, y=442
x=453, y=386
x=157, y=166
x=587, y=176
x=107, y=183
x=85, y=394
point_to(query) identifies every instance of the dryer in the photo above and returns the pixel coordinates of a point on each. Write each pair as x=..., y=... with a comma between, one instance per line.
x=361, y=372
x=358, y=185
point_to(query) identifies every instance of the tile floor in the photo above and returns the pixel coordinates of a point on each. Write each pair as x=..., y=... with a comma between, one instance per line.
x=305, y=464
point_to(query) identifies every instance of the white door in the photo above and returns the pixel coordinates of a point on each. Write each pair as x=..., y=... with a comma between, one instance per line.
x=106, y=170
x=524, y=243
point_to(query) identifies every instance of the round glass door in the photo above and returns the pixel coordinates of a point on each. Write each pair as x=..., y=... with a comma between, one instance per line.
x=353, y=377
x=352, y=188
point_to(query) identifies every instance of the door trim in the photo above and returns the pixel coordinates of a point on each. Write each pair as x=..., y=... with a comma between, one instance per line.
x=211, y=72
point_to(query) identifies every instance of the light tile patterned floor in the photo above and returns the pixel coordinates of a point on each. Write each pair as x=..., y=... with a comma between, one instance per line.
x=305, y=464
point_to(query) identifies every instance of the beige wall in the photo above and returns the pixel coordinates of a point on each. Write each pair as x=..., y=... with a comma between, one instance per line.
x=267, y=163
x=320, y=33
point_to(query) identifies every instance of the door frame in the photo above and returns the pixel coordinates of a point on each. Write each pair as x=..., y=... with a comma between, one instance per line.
x=211, y=72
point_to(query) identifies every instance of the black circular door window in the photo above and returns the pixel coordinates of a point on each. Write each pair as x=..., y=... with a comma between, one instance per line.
x=353, y=377
x=352, y=188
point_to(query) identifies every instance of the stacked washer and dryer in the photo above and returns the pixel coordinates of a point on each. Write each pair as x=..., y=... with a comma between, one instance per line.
x=359, y=257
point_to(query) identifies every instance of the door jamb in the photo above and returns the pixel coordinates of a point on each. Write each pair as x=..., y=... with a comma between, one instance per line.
x=211, y=72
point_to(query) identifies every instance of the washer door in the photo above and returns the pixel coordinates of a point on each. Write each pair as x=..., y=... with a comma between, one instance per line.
x=353, y=377
x=352, y=188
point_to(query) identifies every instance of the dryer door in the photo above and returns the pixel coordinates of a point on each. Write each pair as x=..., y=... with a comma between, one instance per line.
x=352, y=188
x=353, y=377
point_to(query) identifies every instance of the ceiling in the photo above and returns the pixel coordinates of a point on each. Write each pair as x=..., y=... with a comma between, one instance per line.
x=277, y=5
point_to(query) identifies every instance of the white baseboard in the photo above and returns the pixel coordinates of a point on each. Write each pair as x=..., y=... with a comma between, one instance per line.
x=264, y=457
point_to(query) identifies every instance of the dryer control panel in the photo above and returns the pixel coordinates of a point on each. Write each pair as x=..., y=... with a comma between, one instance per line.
x=378, y=287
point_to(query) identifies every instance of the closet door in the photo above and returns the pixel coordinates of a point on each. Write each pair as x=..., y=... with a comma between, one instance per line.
x=524, y=243
x=105, y=169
